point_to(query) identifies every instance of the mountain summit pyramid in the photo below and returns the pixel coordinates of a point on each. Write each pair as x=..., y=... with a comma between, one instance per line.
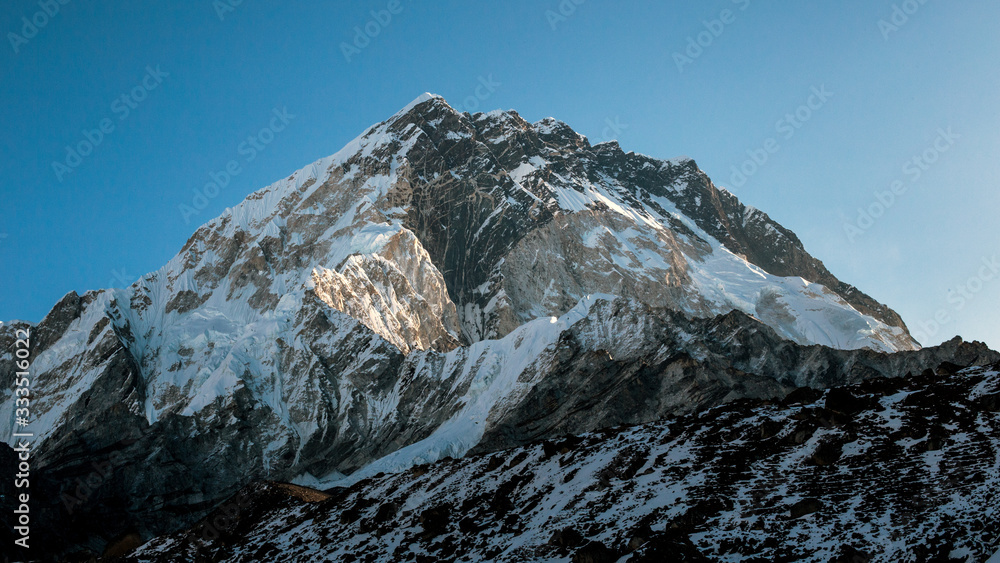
x=447, y=282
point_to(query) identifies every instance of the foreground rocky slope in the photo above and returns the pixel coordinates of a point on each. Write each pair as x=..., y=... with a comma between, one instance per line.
x=446, y=283
x=894, y=470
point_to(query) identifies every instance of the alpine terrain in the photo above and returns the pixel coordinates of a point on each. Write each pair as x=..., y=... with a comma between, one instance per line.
x=471, y=337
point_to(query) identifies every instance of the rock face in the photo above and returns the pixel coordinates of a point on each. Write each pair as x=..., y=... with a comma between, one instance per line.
x=890, y=470
x=447, y=282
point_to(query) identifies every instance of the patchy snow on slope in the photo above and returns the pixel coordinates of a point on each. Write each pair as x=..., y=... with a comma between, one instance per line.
x=670, y=483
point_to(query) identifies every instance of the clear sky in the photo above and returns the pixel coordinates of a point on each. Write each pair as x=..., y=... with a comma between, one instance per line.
x=839, y=97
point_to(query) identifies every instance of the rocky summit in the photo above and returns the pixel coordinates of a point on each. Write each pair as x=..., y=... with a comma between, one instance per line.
x=448, y=284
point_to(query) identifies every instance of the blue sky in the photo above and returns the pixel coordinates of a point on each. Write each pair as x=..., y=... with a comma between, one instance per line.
x=178, y=87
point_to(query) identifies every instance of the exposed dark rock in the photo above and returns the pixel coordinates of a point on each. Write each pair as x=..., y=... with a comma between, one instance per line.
x=802, y=396
x=805, y=507
x=663, y=547
x=566, y=538
x=595, y=552
x=849, y=554
x=845, y=402
x=827, y=453
x=989, y=402
x=434, y=521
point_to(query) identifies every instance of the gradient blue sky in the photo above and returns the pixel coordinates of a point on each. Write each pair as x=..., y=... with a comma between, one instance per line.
x=116, y=216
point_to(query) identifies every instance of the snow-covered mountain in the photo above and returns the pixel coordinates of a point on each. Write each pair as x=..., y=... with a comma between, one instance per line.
x=445, y=283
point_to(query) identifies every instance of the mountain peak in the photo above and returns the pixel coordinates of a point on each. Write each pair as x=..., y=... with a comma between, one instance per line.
x=426, y=96
x=431, y=288
x=474, y=192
